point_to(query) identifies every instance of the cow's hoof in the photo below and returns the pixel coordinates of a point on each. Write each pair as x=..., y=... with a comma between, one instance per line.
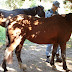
x=67, y=70
x=53, y=67
x=5, y=70
x=23, y=67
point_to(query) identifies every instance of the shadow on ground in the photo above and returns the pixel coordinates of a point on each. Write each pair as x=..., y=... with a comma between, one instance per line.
x=33, y=56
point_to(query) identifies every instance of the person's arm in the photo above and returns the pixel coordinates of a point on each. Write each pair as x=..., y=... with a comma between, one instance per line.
x=63, y=15
x=48, y=14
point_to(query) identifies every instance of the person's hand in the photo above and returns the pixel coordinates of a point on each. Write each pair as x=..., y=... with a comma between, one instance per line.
x=53, y=14
x=63, y=15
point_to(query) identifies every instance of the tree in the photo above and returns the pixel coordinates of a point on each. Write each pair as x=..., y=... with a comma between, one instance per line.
x=13, y=4
x=69, y=0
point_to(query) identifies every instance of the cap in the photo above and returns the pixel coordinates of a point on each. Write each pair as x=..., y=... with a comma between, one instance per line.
x=56, y=3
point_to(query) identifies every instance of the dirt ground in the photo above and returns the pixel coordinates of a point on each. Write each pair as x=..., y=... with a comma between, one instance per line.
x=34, y=57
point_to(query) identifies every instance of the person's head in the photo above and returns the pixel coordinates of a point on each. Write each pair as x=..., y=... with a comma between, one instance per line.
x=55, y=5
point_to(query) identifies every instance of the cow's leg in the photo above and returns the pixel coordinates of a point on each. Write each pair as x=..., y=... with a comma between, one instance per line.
x=18, y=53
x=55, y=46
x=4, y=61
x=10, y=59
x=8, y=51
x=63, y=54
x=4, y=65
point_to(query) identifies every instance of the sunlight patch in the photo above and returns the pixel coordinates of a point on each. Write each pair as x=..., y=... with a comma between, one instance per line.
x=10, y=69
x=17, y=31
x=38, y=49
x=26, y=22
x=30, y=28
x=42, y=59
x=33, y=35
x=10, y=26
x=19, y=18
x=36, y=22
x=39, y=69
x=31, y=67
x=29, y=16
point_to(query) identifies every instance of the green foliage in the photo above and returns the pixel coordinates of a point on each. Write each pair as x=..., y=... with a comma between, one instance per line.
x=13, y=4
x=33, y=3
x=2, y=35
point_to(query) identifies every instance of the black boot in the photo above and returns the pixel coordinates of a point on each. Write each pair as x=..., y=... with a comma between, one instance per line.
x=48, y=59
x=58, y=59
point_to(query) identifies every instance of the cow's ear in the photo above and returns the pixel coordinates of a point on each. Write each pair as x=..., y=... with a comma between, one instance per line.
x=1, y=15
x=38, y=5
